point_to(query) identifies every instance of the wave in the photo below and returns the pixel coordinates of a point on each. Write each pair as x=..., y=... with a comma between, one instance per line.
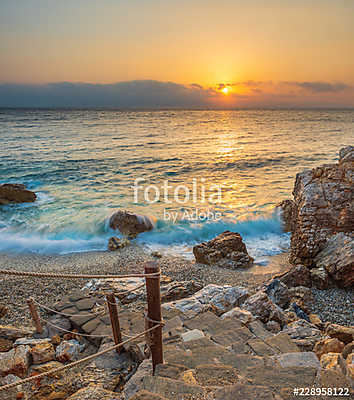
x=263, y=236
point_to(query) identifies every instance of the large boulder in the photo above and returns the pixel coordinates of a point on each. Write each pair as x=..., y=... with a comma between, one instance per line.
x=287, y=212
x=226, y=250
x=130, y=224
x=324, y=206
x=15, y=193
x=337, y=258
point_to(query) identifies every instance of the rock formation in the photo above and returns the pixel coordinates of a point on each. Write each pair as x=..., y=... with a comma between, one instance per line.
x=130, y=224
x=15, y=193
x=226, y=250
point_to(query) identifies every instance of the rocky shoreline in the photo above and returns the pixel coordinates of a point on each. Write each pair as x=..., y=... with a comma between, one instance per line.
x=233, y=330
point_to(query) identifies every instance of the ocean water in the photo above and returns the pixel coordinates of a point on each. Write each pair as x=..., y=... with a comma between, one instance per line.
x=83, y=163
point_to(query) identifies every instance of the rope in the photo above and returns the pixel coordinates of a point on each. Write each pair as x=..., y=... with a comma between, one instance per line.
x=72, y=332
x=68, y=315
x=69, y=276
x=73, y=364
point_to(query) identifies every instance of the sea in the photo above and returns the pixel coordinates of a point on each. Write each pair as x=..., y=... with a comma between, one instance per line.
x=196, y=172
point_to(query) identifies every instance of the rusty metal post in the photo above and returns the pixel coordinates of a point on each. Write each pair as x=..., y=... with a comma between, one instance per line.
x=34, y=314
x=113, y=314
x=154, y=312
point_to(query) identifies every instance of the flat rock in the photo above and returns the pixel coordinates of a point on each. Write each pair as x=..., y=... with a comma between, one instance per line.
x=243, y=392
x=300, y=359
x=192, y=335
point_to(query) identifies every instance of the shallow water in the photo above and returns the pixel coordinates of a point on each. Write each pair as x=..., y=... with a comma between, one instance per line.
x=83, y=163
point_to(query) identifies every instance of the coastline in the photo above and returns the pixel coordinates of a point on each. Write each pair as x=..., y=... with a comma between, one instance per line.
x=15, y=290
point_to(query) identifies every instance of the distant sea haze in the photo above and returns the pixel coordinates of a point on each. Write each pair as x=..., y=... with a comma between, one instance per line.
x=83, y=164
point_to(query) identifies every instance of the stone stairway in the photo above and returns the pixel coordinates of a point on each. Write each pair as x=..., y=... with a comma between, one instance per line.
x=207, y=357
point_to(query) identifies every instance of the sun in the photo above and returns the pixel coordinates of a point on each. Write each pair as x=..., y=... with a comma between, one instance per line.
x=225, y=90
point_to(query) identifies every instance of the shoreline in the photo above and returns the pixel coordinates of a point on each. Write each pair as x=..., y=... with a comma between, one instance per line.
x=131, y=259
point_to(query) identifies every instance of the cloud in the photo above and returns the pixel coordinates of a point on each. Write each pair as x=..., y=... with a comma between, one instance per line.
x=155, y=94
x=321, y=87
x=131, y=94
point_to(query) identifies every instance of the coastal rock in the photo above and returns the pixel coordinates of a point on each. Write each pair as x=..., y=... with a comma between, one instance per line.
x=263, y=308
x=287, y=213
x=15, y=361
x=15, y=193
x=42, y=352
x=94, y=392
x=115, y=243
x=324, y=206
x=279, y=293
x=304, y=334
x=239, y=314
x=319, y=278
x=328, y=346
x=5, y=345
x=219, y=299
x=348, y=349
x=226, y=250
x=130, y=224
x=334, y=361
x=350, y=365
x=337, y=258
x=344, y=333
x=298, y=275
x=13, y=333
x=68, y=350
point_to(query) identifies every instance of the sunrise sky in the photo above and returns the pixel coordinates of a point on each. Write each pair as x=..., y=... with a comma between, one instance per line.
x=142, y=53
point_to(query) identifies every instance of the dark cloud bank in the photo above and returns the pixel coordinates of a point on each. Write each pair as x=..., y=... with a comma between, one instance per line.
x=155, y=94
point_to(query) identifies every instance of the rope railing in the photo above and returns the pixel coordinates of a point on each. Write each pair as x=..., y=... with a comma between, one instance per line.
x=76, y=276
x=76, y=363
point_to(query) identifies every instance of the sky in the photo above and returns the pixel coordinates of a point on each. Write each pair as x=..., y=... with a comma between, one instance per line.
x=177, y=53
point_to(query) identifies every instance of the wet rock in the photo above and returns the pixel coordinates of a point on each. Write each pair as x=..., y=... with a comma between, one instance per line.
x=328, y=346
x=115, y=243
x=130, y=224
x=15, y=193
x=68, y=350
x=42, y=352
x=279, y=293
x=337, y=258
x=298, y=275
x=324, y=205
x=226, y=250
x=319, y=278
x=344, y=333
x=334, y=361
x=263, y=308
x=15, y=361
x=287, y=213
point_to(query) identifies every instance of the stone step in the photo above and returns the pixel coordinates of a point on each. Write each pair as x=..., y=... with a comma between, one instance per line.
x=210, y=323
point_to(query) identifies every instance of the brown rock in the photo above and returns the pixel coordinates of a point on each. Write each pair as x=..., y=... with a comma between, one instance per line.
x=95, y=392
x=334, y=361
x=344, y=333
x=42, y=353
x=316, y=320
x=227, y=250
x=145, y=395
x=3, y=310
x=15, y=193
x=130, y=224
x=319, y=278
x=348, y=349
x=287, y=212
x=68, y=351
x=324, y=205
x=15, y=361
x=115, y=243
x=5, y=345
x=13, y=333
x=262, y=307
x=350, y=365
x=337, y=258
x=328, y=346
x=297, y=276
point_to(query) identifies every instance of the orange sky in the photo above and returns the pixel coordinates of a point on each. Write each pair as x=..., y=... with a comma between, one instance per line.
x=204, y=42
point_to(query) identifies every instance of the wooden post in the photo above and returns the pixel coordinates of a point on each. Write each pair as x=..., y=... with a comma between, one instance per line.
x=34, y=314
x=154, y=312
x=113, y=314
